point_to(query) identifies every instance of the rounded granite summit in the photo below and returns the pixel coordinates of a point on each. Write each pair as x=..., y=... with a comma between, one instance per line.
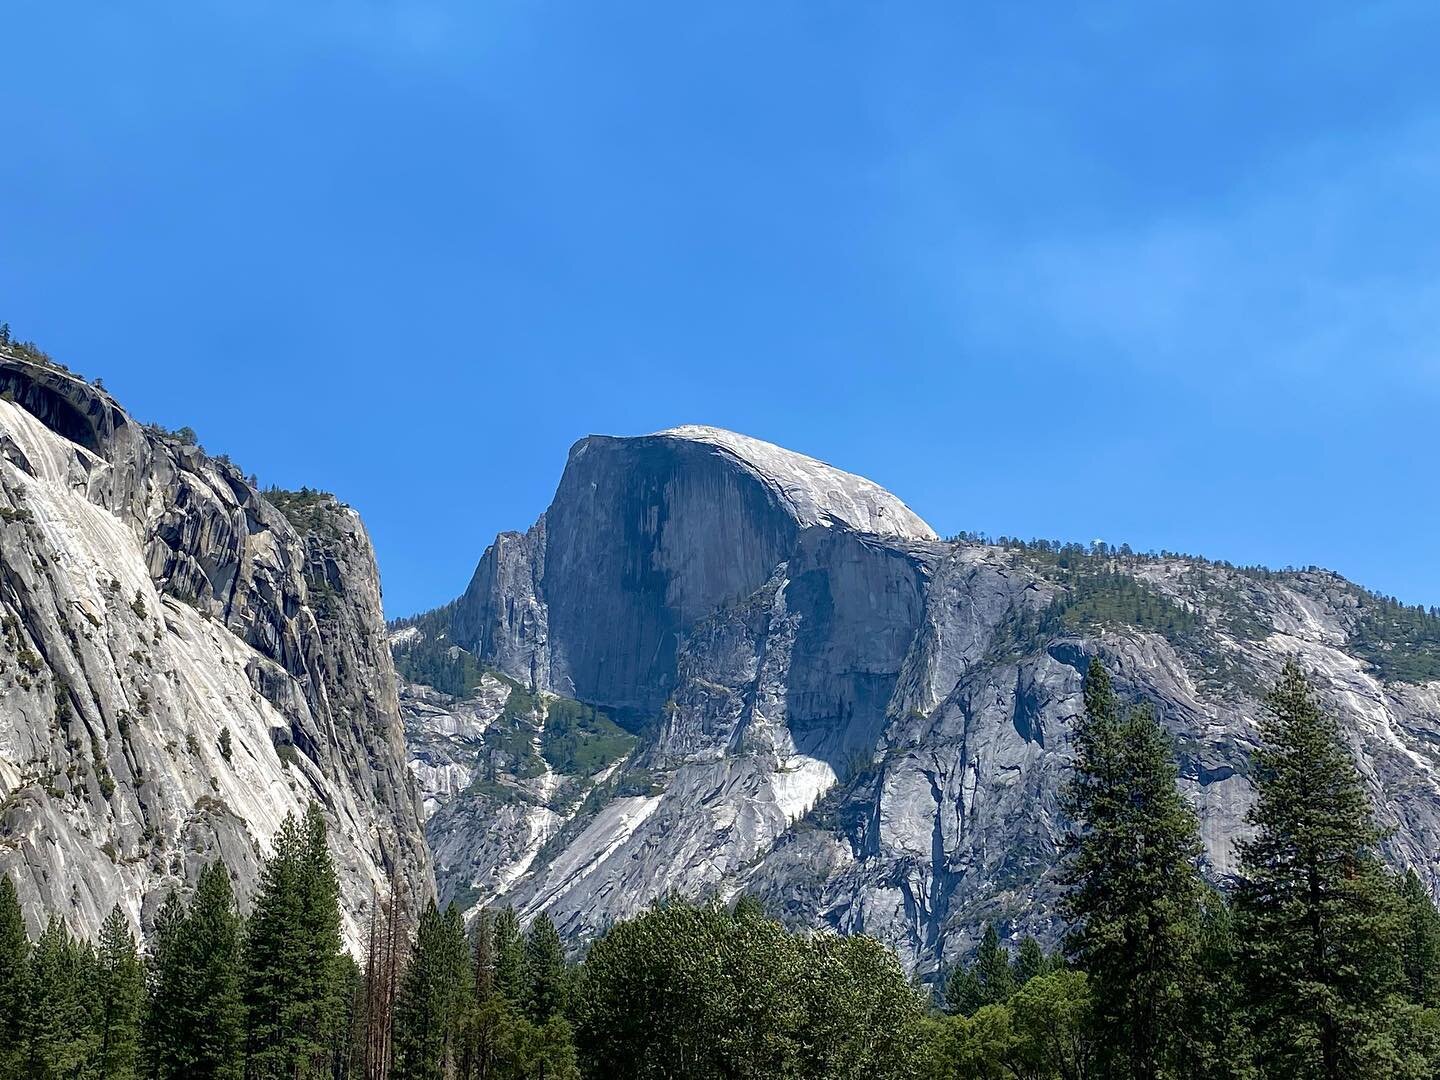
x=816, y=493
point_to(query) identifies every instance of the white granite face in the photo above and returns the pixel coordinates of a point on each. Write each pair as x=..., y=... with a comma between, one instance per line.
x=817, y=493
x=180, y=667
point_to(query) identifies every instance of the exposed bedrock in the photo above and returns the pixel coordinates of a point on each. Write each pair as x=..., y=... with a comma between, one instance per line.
x=865, y=725
x=182, y=664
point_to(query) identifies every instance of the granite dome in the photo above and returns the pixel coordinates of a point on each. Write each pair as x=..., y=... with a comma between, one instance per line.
x=817, y=493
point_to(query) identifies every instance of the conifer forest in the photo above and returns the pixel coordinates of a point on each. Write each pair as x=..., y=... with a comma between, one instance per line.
x=1315, y=962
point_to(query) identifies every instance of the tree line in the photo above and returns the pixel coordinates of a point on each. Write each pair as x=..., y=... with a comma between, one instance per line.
x=215, y=995
x=1316, y=962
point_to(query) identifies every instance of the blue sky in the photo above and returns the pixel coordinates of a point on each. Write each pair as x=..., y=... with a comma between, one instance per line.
x=1156, y=273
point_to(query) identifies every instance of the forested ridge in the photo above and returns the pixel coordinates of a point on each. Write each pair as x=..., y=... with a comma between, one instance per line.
x=1318, y=961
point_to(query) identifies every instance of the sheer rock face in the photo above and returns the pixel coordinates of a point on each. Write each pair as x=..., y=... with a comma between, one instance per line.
x=646, y=537
x=180, y=666
x=865, y=726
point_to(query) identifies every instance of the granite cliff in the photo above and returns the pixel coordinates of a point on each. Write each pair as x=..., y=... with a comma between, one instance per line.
x=796, y=689
x=183, y=661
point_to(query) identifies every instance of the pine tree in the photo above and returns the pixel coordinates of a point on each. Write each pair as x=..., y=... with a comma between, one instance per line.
x=477, y=1036
x=293, y=994
x=1218, y=1045
x=511, y=978
x=1419, y=941
x=1030, y=961
x=988, y=980
x=1316, y=913
x=545, y=1051
x=992, y=968
x=370, y=1006
x=56, y=1018
x=161, y=1041
x=276, y=981
x=119, y=996
x=431, y=1010
x=14, y=964
x=548, y=988
x=460, y=983
x=963, y=992
x=324, y=945
x=195, y=1019
x=1134, y=883
x=212, y=947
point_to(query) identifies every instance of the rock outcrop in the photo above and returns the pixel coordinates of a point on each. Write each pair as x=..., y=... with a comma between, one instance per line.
x=183, y=661
x=835, y=710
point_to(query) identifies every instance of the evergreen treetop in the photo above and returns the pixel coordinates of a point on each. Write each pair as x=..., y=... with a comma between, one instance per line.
x=119, y=998
x=511, y=977
x=195, y=1021
x=1134, y=882
x=435, y=995
x=14, y=967
x=548, y=990
x=1419, y=941
x=55, y=1023
x=1317, y=916
x=293, y=955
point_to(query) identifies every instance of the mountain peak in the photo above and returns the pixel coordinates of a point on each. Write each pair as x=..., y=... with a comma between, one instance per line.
x=816, y=493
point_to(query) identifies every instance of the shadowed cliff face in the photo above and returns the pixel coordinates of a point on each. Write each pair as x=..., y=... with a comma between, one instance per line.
x=863, y=725
x=857, y=605
x=181, y=665
x=645, y=537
